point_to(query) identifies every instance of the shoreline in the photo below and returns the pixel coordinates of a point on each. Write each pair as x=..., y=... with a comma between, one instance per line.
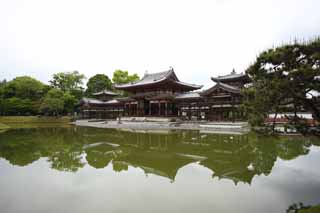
x=226, y=127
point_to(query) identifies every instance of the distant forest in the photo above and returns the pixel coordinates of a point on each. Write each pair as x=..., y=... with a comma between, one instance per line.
x=25, y=95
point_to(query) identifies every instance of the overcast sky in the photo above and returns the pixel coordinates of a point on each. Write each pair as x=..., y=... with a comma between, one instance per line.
x=197, y=38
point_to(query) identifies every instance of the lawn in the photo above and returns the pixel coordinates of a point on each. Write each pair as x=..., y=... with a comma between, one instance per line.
x=34, y=119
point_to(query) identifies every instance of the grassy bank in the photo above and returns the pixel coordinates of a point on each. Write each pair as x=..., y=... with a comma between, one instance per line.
x=15, y=122
x=3, y=126
x=315, y=209
x=34, y=119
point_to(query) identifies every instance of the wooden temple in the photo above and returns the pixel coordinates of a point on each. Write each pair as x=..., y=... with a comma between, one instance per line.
x=164, y=95
x=103, y=105
x=154, y=94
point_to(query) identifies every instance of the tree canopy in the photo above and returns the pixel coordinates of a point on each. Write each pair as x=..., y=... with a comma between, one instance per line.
x=123, y=77
x=98, y=83
x=53, y=102
x=285, y=78
x=23, y=87
x=68, y=81
x=21, y=96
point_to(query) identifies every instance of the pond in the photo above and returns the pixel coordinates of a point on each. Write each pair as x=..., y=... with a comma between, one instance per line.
x=79, y=169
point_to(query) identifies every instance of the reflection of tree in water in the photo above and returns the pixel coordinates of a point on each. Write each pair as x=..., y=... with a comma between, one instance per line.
x=290, y=148
x=23, y=146
x=101, y=154
x=18, y=150
x=21, y=155
x=119, y=166
x=265, y=155
x=69, y=161
x=235, y=157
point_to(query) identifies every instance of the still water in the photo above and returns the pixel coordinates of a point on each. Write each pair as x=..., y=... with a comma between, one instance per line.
x=77, y=169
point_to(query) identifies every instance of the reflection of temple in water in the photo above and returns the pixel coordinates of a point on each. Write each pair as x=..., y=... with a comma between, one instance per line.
x=233, y=157
x=163, y=153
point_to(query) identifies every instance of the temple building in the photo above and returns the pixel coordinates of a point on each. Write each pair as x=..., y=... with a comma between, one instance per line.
x=221, y=102
x=224, y=98
x=154, y=94
x=103, y=105
x=164, y=95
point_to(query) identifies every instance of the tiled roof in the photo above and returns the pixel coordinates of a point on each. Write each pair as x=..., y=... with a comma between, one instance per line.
x=226, y=87
x=229, y=87
x=91, y=101
x=98, y=102
x=153, y=78
x=230, y=77
x=114, y=101
x=105, y=92
x=147, y=79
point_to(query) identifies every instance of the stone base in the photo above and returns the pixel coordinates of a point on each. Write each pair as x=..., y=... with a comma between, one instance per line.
x=149, y=119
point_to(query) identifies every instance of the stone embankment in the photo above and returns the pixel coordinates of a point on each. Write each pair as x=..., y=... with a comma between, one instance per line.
x=232, y=127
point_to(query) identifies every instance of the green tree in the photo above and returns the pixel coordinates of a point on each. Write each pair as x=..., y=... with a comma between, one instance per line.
x=68, y=81
x=98, y=83
x=284, y=79
x=18, y=106
x=122, y=77
x=53, y=103
x=69, y=102
x=2, y=84
x=23, y=87
x=21, y=96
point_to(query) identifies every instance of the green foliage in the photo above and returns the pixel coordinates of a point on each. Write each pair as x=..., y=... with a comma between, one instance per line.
x=28, y=96
x=53, y=102
x=3, y=82
x=122, y=77
x=23, y=87
x=98, y=83
x=314, y=209
x=57, y=102
x=21, y=96
x=68, y=81
x=69, y=102
x=18, y=106
x=70, y=84
x=284, y=79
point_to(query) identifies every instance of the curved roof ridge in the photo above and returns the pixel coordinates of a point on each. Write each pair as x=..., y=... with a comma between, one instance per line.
x=105, y=91
x=149, y=79
x=231, y=77
x=224, y=86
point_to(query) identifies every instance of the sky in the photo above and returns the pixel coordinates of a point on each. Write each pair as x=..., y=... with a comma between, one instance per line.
x=199, y=39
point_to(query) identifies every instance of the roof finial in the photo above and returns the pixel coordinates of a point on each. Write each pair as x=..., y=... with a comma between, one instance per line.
x=233, y=71
x=171, y=68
